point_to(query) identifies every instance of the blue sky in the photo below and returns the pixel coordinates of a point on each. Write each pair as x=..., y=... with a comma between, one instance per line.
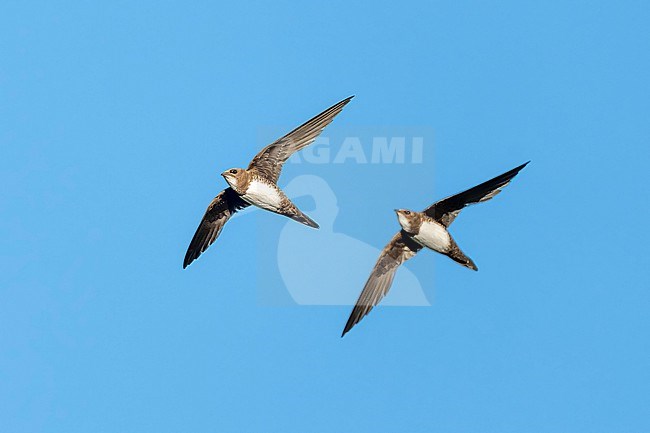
x=118, y=117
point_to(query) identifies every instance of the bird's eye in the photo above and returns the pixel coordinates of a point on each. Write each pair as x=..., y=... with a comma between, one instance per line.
x=233, y=171
x=407, y=212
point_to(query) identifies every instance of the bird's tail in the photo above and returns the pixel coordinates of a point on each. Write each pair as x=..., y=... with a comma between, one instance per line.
x=303, y=219
x=291, y=210
x=297, y=215
x=459, y=257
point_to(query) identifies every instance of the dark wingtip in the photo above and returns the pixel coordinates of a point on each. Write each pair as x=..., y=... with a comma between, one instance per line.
x=349, y=324
x=188, y=260
x=515, y=171
x=512, y=173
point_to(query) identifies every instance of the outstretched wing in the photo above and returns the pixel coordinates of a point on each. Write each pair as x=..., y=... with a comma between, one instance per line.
x=224, y=205
x=397, y=251
x=270, y=159
x=446, y=210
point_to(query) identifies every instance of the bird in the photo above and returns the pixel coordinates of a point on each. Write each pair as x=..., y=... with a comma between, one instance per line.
x=426, y=229
x=257, y=184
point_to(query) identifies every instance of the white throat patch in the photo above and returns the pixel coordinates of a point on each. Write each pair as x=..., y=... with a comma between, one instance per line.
x=404, y=222
x=232, y=181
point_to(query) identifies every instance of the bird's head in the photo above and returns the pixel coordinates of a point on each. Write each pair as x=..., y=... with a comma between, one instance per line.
x=236, y=178
x=409, y=220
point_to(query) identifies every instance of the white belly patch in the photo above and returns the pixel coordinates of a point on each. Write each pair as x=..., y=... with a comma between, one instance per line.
x=263, y=195
x=433, y=235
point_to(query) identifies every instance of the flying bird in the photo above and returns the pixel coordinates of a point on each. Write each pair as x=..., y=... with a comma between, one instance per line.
x=423, y=229
x=257, y=184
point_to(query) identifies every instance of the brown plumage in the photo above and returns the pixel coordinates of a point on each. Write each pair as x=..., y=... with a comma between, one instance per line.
x=257, y=184
x=224, y=205
x=405, y=245
x=268, y=162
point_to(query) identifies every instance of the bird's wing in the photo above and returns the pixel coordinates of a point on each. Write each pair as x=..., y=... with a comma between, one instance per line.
x=224, y=205
x=397, y=251
x=270, y=159
x=446, y=210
